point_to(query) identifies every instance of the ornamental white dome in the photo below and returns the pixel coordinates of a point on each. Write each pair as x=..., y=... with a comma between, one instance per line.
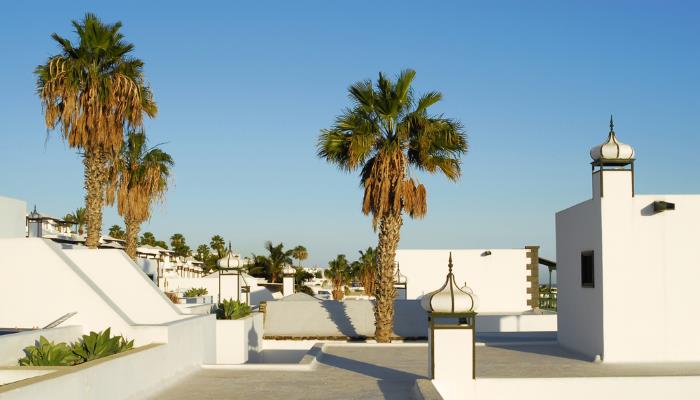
x=230, y=260
x=612, y=150
x=449, y=299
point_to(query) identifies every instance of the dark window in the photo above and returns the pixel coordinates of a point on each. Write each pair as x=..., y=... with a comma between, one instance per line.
x=587, y=269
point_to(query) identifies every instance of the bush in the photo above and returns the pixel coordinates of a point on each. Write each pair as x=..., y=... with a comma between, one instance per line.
x=98, y=345
x=87, y=348
x=232, y=309
x=305, y=289
x=46, y=353
x=195, y=292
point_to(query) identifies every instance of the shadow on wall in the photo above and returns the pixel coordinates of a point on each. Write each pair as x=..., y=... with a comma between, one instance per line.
x=352, y=318
x=260, y=295
x=337, y=312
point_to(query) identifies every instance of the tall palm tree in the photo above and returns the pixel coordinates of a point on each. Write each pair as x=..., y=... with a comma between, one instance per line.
x=300, y=253
x=383, y=134
x=274, y=262
x=138, y=178
x=366, y=269
x=339, y=273
x=90, y=92
x=77, y=218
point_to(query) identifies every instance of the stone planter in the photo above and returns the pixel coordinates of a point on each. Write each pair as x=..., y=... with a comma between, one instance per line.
x=239, y=339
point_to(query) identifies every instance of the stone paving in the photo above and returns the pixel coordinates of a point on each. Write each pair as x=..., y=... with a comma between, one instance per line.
x=378, y=372
x=344, y=372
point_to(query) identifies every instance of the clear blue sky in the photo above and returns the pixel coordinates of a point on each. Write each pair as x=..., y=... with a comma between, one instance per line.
x=244, y=88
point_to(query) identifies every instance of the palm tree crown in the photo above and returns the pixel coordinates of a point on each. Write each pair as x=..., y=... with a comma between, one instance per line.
x=91, y=92
x=77, y=218
x=274, y=262
x=139, y=177
x=385, y=132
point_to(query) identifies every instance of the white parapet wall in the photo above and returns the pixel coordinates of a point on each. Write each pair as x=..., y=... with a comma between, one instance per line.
x=11, y=345
x=498, y=277
x=13, y=214
x=39, y=282
x=239, y=340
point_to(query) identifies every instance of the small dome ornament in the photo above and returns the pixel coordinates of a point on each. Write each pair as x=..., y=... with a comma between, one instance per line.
x=288, y=270
x=449, y=299
x=230, y=260
x=612, y=151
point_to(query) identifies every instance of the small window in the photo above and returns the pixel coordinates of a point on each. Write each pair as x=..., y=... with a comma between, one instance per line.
x=587, y=279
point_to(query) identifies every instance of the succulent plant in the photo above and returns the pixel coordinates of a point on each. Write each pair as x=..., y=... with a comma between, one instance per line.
x=232, y=309
x=97, y=345
x=45, y=353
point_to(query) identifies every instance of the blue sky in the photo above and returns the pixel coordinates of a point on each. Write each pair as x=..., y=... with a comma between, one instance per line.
x=244, y=88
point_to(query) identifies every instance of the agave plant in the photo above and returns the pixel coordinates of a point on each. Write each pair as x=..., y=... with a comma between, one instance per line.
x=195, y=292
x=46, y=353
x=232, y=309
x=97, y=345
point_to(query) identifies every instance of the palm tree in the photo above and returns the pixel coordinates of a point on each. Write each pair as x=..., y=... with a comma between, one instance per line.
x=90, y=93
x=138, y=178
x=300, y=253
x=179, y=246
x=117, y=232
x=366, y=269
x=384, y=133
x=274, y=262
x=338, y=272
x=77, y=218
x=217, y=243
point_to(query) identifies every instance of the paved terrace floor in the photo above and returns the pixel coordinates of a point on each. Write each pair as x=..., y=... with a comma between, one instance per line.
x=365, y=372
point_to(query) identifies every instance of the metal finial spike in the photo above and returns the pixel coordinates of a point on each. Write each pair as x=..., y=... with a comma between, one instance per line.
x=612, y=125
x=229, y=246
x=449, y=263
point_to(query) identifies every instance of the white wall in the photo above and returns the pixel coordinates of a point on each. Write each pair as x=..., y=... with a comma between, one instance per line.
x=239, y=340
x=13, y=214
x=499, y=280
x=39, y=284
x=646, y=275
x=651, y=267
x=228, y=288
x=135, y=374
x=580, y=310
x=11, y=345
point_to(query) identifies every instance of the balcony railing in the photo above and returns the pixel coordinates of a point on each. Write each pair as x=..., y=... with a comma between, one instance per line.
x=548, y=298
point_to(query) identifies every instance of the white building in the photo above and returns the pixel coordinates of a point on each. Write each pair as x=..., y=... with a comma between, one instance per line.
x=506, y=280
x=628, y=267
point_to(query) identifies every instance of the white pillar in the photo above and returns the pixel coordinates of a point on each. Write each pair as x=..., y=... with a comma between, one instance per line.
x=451, y=358
x=288, y=285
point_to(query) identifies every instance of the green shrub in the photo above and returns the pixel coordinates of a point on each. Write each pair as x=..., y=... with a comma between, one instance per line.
x=97, y=345
x=195, y=292
x=232, y=309
x=46, y=353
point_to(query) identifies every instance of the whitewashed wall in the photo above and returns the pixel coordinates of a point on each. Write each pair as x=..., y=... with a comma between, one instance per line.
x=228, y=287
x=646, y=275
x=135, y=374
x=585, y=388
x=11, y=345
x=13, y=214
x=580, y=310
x=499, y=280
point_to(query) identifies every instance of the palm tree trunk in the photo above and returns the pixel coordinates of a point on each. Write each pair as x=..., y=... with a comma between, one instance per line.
x=132, y=234
x=384, y=292
x=95, y=178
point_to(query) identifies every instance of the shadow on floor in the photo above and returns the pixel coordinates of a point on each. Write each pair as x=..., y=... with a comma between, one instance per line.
x=551, y=350
x=393, y=383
